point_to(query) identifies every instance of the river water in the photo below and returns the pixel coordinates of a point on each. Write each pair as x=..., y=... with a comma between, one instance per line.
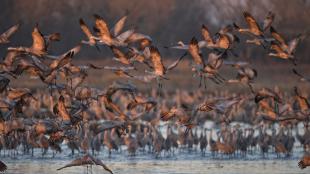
x=180, y=163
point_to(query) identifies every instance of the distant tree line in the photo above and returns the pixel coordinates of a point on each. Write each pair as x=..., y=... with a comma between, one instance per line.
x=167, y=21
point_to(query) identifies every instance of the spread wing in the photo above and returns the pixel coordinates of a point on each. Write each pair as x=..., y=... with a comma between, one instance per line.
x=78, y=162
x=38, y=40
x=276, y=47
x=277, y=36
x=125, y=35
x=61, y=109
x=102, y=27
x=86, y=31
x=62, y=61
x=206, y=34
x=268, y=20
x=156, y=60
x=194, y=51
x=175, y=63
x=251, y=22
x=10, y=31
x=134, y=37
x=119, y=26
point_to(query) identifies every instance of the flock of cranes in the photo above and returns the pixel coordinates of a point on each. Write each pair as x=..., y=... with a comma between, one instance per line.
x=87, y=118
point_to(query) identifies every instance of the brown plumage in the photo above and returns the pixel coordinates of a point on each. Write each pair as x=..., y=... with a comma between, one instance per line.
x=195, y=52
x=120, y=56
x=60, y=109
x=302, y=101
x=304, y=162
x=91, y=40
x=279, y=38
x=252, y=24
x=17, y=93
x=156, y=59
x=4, y=37
x=165, y=116
x=38, y=47
x=267, y=93
x=115, y=38
x=206, y=35
x=283, y=48
x=38, y=44
x=245, y=75
x=280, y=53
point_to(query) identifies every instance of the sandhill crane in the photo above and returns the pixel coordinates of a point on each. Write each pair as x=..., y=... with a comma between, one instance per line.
x=305, y=138
x=147, y=139
x=43, y=143
x=114, y=37
x=159, y=70
x=61, y=110
x=222, y=40
x=269, y=18
x=212, y=142
x=91, y=38
x=121, y=57
x=190, y=140
x=4, y=37
x=10, y=58
x=3, y=167
x=245, y=75
x=203, y=141
x=280, y=53
x=85, y=142
x=283, y=49
x=108, y=142
x=87, y=160
x=39, y=45
x=131, y=142
x=73, y=145
x=264, y=140
x=158, y=142
x=196, y=54
x=209, y=69
x=253, y=29
x=196, y=139
x=289, y=47
x=147, y=103
x=221, y=106
x=289, y=143
x=280, y=148
x=267, y=93
x=168, y=141
x=302, y=102
x=141, y=56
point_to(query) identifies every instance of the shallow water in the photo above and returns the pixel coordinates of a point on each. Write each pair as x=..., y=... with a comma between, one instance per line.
x=180, y=163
